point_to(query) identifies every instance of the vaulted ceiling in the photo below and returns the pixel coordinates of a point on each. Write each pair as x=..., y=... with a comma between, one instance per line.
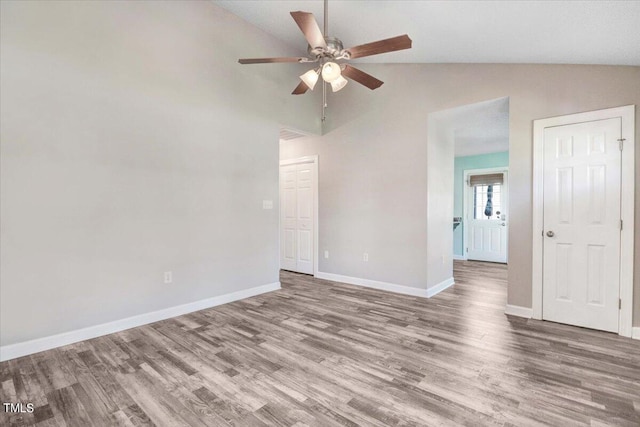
x=544, y=32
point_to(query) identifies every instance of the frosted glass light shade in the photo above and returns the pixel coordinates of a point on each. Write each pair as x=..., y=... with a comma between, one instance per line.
x=338, y=83
x=310, y=78
x=330, y=71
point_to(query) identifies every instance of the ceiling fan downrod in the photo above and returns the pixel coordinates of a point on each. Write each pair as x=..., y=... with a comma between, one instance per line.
x=326, y=18
x=324, y=84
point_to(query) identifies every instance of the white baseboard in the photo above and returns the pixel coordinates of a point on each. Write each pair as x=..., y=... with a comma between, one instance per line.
x=434, y=290
x=516, y=310
x=459, y=257
x=384, y=286
x=635, y=332
x=13, y=351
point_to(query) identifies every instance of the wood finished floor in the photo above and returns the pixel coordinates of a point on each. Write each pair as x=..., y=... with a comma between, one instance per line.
x=320, y=353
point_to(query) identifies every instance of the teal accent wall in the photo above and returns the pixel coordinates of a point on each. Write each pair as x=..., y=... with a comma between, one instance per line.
x=493, y=160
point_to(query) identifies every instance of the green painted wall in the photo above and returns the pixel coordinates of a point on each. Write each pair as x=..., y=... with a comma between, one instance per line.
x=461, y=164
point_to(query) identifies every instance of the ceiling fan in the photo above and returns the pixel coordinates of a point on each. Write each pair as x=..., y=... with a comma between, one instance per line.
x=326, y=51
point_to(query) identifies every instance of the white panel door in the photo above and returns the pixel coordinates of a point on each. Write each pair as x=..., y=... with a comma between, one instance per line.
x=297, y=217
x=304, y=255
x=581, y=273
x=487, y=235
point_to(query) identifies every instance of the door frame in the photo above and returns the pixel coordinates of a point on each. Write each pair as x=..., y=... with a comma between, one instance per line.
x=313, y=159
x=466, y=194
x=627, y=193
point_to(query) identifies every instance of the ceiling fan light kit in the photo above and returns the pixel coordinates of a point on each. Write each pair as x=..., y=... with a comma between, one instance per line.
x=338, y=83
x=326, y=51
x=310, y=78
x=330, y=71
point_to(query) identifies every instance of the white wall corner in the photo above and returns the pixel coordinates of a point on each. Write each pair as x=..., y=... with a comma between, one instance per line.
x=635, y=332
x=25, y=348
x=435, y=290
x=383, y=286
x=516, y=310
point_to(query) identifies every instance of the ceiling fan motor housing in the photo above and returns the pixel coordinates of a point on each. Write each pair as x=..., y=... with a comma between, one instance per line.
x=334, y=49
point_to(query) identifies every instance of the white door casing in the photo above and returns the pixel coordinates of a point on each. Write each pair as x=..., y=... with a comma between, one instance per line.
x=581, y=249
x=298, y=215
x=304, y=253
x=586, y=232
x=288, y=217
x=485, y=239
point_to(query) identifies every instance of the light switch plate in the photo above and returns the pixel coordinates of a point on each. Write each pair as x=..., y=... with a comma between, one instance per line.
x=267, y=204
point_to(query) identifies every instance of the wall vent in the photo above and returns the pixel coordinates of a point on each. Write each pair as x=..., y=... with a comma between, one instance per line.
x=288, y=134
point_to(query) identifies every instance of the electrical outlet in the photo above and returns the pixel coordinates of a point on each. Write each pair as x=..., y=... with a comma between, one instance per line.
x=365, y=257
x=326, y=254
x=168, y=277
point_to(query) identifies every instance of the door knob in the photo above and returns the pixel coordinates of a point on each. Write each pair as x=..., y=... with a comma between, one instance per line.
x=503, y=224
x=550, y=233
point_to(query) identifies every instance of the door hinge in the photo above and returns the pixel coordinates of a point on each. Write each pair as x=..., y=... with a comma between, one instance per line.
x=621, y=225
x=619, y=303
x=621, y=141
x=467, y=250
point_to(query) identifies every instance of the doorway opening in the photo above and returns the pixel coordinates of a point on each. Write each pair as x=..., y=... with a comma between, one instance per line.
x=298, y=204
x=464, y=139
x=481, y=183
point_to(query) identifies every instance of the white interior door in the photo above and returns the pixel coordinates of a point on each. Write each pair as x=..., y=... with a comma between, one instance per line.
x=297, y=217
x=486, y=227
x=581, y=250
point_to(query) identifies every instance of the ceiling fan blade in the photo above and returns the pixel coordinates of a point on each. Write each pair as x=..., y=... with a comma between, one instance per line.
x=310, y=29
x=270, y=60
x=361, y=77
x=381, y=46
x=300, y=89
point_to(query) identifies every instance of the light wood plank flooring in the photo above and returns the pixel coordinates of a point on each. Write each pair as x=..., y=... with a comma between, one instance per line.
x=320, y=353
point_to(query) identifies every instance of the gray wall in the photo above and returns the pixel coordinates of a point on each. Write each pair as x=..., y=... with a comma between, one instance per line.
x=440, y=152
x=373, y=159
x=133, y=143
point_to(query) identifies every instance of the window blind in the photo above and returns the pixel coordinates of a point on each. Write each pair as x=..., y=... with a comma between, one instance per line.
x=488, y=179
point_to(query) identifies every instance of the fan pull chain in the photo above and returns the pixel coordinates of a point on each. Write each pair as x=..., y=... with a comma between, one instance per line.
x=324, y=84
x=324, y=100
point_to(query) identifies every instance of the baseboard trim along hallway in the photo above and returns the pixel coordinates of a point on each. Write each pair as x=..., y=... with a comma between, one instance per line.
x=435, y=290
x=635, y=333
x=516, y=310
x=384, y=286
x=25, y=348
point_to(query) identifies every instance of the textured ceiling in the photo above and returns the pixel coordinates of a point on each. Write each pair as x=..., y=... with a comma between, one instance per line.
x=549, y=32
